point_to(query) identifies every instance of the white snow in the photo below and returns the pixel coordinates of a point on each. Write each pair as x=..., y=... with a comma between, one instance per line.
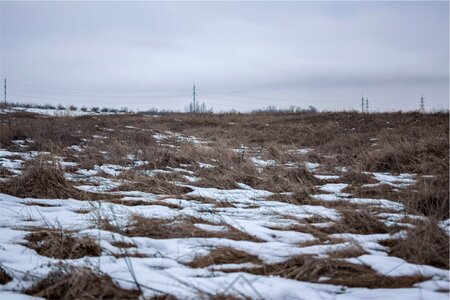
x=262, y=163
x=162, y=265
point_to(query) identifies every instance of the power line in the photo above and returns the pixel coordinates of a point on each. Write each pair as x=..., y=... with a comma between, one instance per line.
x=422, y=105
x=175, y=98
x=87, y=100
x=95, y=96
x=193, y=96
x=95, y=90
x=4, y=90
x=362, y=103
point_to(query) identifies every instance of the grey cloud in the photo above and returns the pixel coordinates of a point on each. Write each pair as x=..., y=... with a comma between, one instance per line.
x=323, y=53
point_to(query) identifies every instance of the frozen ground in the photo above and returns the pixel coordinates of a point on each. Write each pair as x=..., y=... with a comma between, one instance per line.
x=160, y=265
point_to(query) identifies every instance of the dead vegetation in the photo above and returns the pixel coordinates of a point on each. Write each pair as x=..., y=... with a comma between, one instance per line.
x=354, y=250
x=79, y=283
x=224, y=255
x=360, y=221
x=356, y=178
x=426, y=243
x=144, y=202
x=155, y=186
x=335, y=271
x=183, y=227
x=44, y=179
x=57, y=243
x=222, y=296
x=122, y=244
x=387, y=142
x=4, y=276
x=429, y=197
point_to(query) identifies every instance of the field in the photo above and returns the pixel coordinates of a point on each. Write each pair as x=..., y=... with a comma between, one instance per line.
x=339, y=205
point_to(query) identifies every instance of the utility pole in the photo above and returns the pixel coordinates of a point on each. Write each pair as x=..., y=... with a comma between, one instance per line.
x=4, y=90
x=422, y=105
x=367, y=105
x=193, y=100
x=362, y=103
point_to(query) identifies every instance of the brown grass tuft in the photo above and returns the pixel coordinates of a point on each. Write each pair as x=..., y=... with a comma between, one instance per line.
x=60, y=244
x=222, y=296
x=356, y=178
x=122, y=244
x=154, y=186
x=144, y=202
x=41, y=179
x=224, y=255
x=79, y=283
x=430, y=197
x=4, y=277
x=173, y=228
x=360, y=221
x=5, y=172
x=427, y=244
x=332, y=271
x=354, y=250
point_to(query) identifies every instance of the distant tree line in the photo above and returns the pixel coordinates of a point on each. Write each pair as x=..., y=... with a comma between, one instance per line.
x=191, y=108
x=291, y=109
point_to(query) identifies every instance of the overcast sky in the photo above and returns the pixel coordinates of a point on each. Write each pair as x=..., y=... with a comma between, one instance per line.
x=240, y=55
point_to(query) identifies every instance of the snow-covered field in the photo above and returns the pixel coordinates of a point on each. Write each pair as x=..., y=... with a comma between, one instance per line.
x=162, y=265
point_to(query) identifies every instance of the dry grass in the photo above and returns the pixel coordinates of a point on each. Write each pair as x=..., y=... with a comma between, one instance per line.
x=216, y=203
x=163, y=297
x=43, y=179
x=429, y=197
x=154, y=186
x=360, y=221
x=356, y=178
x=57, y=243
x=172, y=228
x=427, y=244
x=222, y=296
x=5, y=172
x=122, y=244
x=333, y=271
x=144, y=202
x=79, y=283
x=405, y=142
x=82, y=211
x=382, y=191
x=354, y=250
x=4, y=277
x=321, y=235
x=223, y=255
